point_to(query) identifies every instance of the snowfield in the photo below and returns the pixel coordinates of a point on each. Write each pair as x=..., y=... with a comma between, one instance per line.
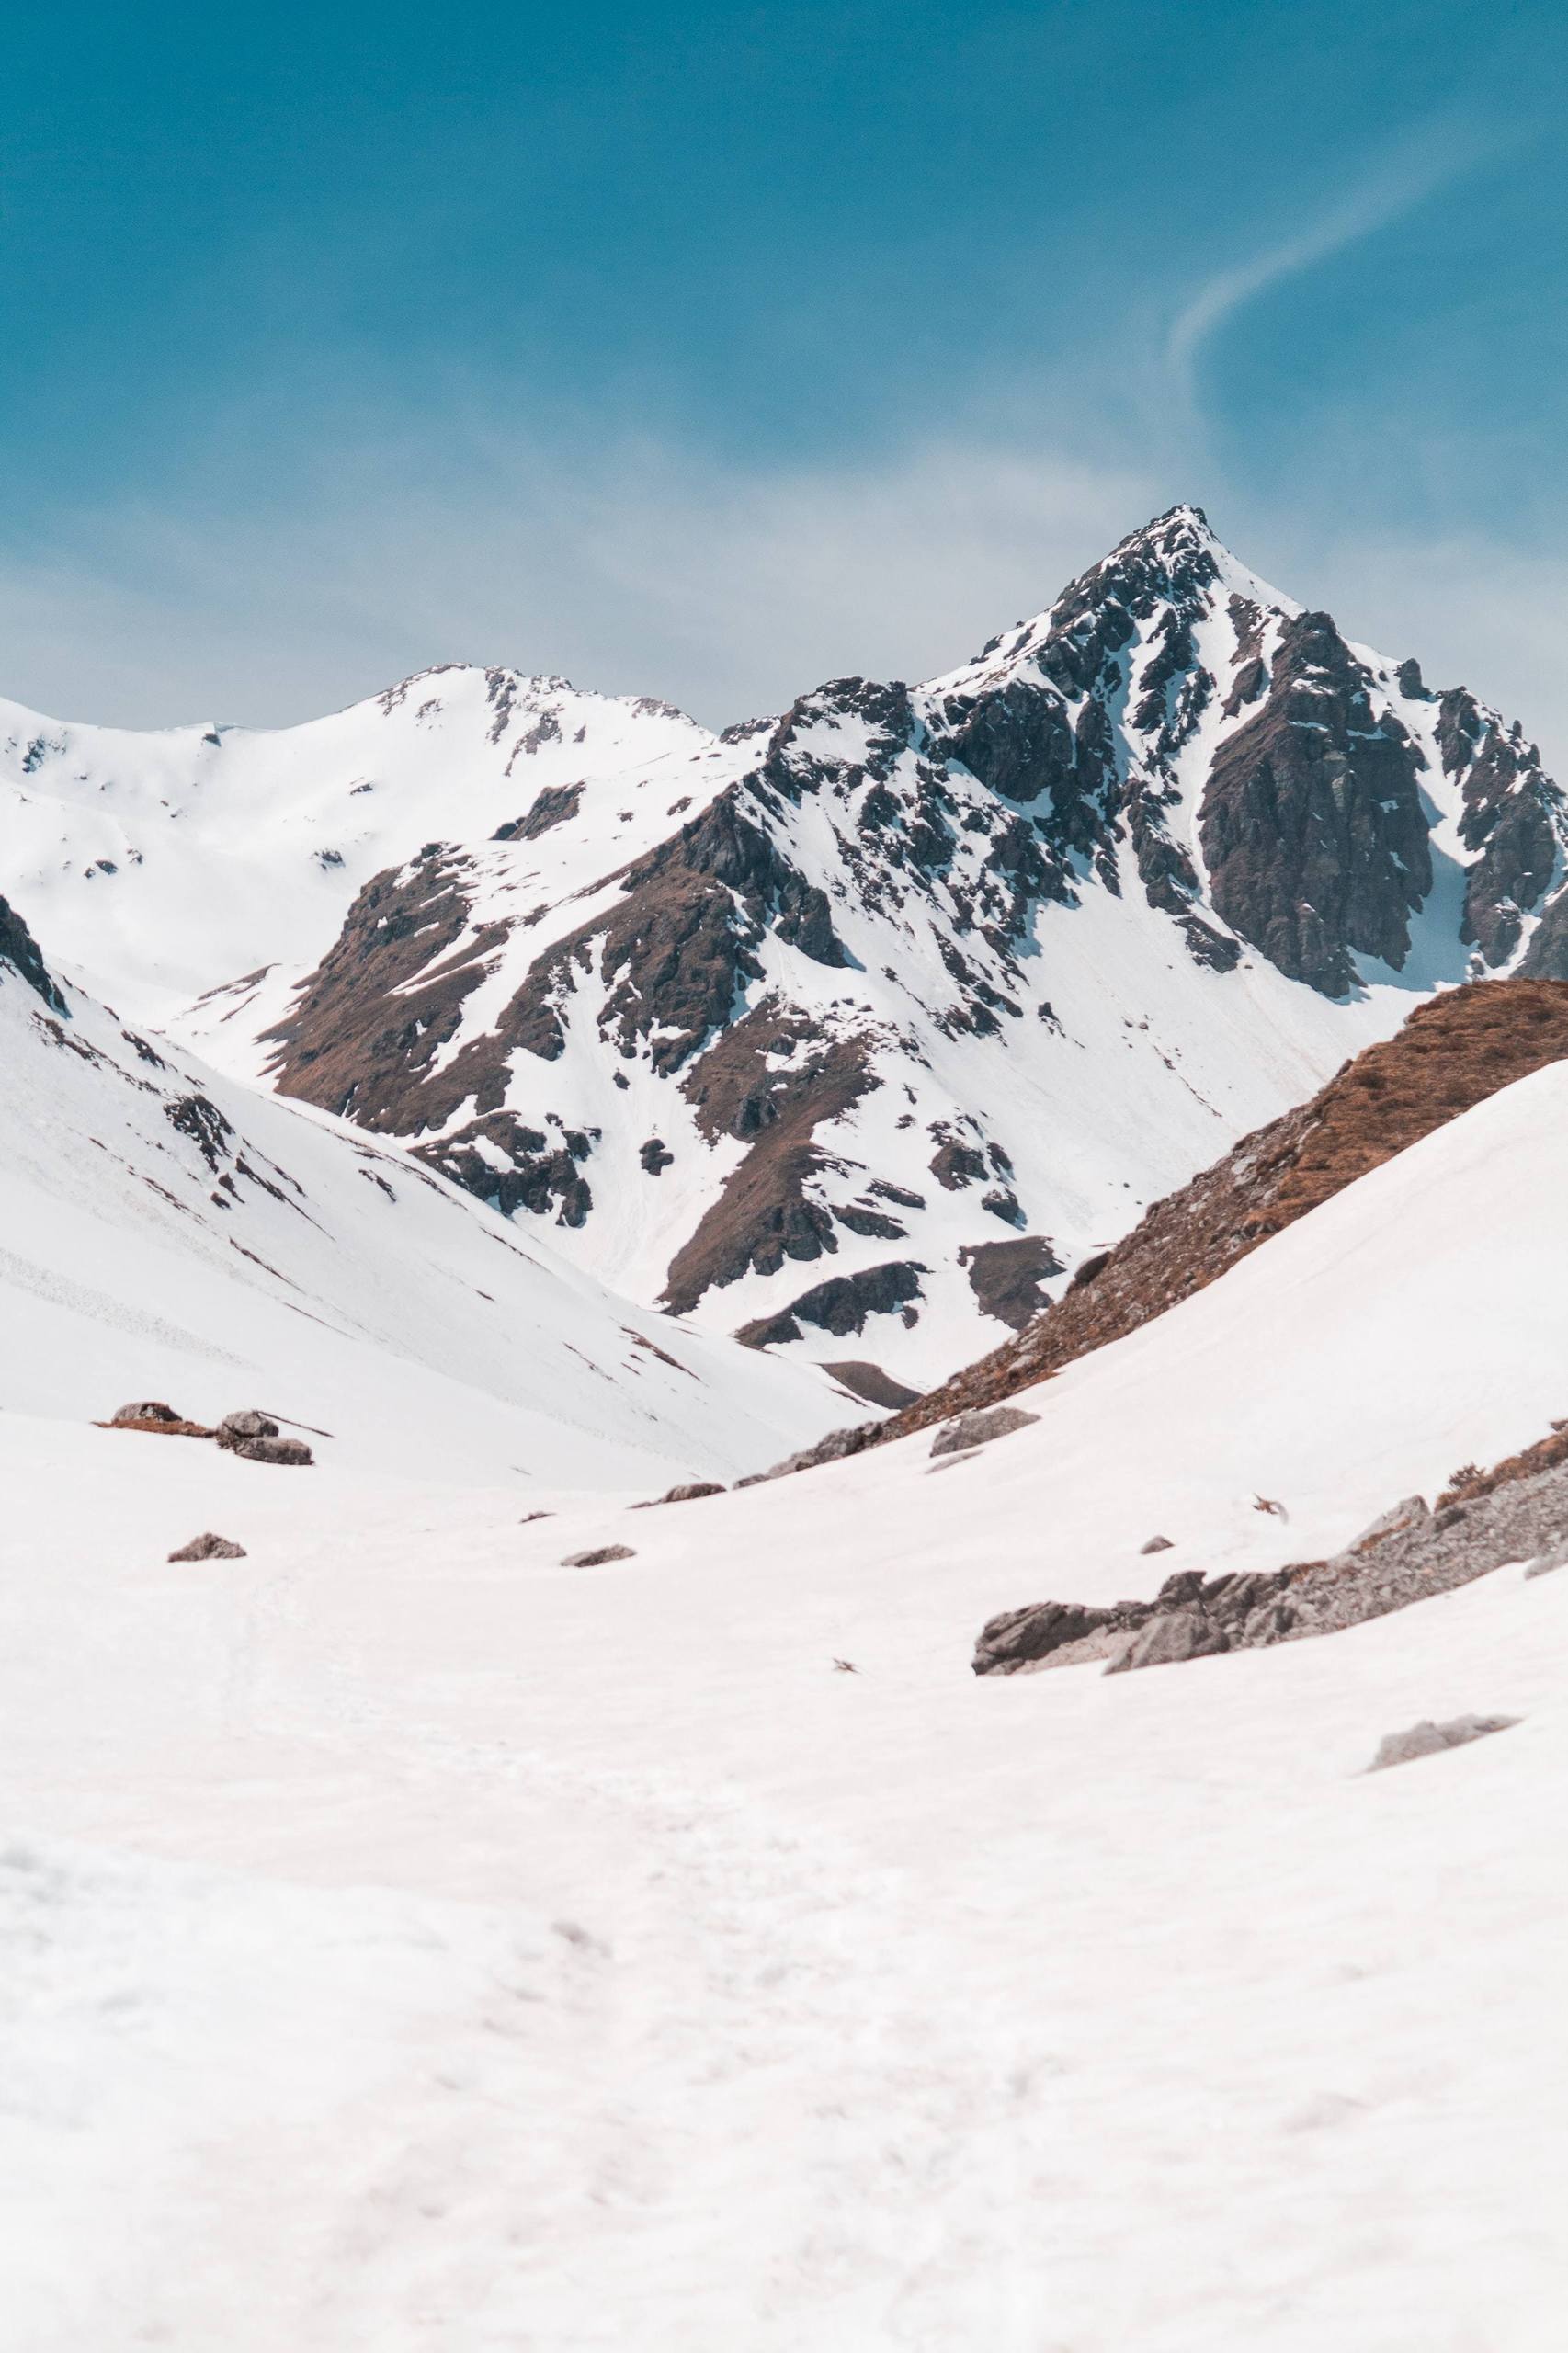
x=409, y=1944
x=164, y=1234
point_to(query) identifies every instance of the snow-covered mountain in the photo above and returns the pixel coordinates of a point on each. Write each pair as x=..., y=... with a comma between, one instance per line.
x=851, y=1030
x=167, y=1233
x=410, y=1941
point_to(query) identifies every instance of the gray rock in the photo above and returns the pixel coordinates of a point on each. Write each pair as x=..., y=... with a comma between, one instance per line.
x=255, y=1435
x=152, y=1411
x=598, y=1555
x=1554, y=1558
x=246, y=1424
x=1018, y=1637
x=692, y=1492
x=834, y=1448
x=1426, y=1739
x=1165, y=1640
x=290, y=1451
x=1183, y=1586
x=1157, y=1544
x=979, y=1427
x=210, y=1548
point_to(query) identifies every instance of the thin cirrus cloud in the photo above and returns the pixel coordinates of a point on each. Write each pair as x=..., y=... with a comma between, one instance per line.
x=1420, y=167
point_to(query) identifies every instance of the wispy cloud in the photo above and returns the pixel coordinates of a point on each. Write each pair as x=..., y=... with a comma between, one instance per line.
x=1397, y=185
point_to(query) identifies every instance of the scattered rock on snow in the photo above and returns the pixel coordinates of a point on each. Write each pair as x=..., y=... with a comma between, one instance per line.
x=1156, y=1544
x=598, y=1555
x=210, y=1548
x=831, y=1449
x=1426, y=1739
x=248, y=1423
x=157, y=1420
x=254, y=1437
x=978, y=1428
x=1190, y=1617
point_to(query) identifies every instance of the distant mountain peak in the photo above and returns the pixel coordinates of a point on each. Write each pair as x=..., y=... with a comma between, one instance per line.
x=939, y=984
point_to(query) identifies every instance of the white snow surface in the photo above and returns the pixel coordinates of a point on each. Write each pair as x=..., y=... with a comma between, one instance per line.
x=412, y=1944
x=1121, y=1068
x=168, y=1234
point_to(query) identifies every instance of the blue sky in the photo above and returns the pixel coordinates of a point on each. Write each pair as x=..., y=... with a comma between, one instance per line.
x=706, y=350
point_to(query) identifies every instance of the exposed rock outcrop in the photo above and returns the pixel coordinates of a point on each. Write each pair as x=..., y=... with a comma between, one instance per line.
x=1516, y=1512
x=20, y=951
x=1311, y=827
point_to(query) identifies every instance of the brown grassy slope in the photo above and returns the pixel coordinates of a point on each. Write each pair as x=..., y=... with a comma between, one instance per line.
x=1452, y=1053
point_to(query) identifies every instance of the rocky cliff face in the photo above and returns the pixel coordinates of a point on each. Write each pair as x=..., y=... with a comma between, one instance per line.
x=879, y=1016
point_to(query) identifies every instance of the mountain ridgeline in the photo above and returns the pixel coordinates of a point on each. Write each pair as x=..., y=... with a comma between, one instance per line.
x=871, y=1021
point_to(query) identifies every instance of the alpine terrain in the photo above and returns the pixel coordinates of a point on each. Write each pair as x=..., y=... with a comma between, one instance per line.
x=851, y=1031
x=489, y=1863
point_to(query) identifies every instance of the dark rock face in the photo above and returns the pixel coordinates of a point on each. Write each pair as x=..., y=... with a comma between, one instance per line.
x=555, y=806
x=210, y=1548
x=367, y=1025
x=764, y=1214
x=677, y=951
x=20, y=951
x=1312, y=826
x=1510, y=805
x=543, y=1176
x=871, y=1383
x=841, y=1304
x=598, y=1555
x=203, y=1125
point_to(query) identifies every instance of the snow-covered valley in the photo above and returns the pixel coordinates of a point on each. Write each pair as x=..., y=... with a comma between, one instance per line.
x=413, y=1943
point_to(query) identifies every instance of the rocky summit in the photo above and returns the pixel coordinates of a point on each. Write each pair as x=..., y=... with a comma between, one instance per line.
x=871, y=1022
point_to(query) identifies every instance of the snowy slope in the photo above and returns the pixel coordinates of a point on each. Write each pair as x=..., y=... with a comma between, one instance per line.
x=166, y=1235
x=419, y=1946
x=853, y=1030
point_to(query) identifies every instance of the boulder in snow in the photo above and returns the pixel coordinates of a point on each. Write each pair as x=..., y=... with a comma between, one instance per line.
x=598, y=1555
x=978, y=1428
x=210, y=1548
x=256, y=1437
x=1427, y=1738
